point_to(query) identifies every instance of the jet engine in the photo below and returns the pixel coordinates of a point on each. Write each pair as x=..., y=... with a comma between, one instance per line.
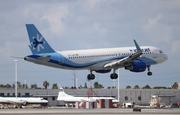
x=136, y=66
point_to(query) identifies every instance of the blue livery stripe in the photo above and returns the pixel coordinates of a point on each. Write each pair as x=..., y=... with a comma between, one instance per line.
x=70, y=64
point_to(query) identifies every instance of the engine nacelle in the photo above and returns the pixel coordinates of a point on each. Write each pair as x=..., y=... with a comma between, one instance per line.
x=103, y=71
x=137, y=66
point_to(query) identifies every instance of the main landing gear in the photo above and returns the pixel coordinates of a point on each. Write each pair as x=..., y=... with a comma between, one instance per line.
x=113, y=75
x=149, y=73
x=91, y=76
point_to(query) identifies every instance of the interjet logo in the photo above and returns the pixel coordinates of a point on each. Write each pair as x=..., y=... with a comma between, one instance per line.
x=38, y=43
x=143, y=50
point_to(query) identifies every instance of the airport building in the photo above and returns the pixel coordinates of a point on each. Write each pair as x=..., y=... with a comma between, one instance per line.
x=139, y=96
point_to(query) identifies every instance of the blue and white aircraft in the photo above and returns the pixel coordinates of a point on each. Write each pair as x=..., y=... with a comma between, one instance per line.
x=103, y=60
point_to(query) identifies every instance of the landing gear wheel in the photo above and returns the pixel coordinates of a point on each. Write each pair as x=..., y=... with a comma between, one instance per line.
x=113, y=76
x=91, y=77
x=149, y=73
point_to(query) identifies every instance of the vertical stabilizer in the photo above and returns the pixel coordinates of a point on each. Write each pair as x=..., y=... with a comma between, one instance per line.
x=62, y=94
x=38, y=44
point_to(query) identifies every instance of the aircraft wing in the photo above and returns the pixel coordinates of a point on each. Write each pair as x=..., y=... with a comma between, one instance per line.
x=126, y=60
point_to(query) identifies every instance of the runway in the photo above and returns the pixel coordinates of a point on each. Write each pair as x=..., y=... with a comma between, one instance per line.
x=56, y=111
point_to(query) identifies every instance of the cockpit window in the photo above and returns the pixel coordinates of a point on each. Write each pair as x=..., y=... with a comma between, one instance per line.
x=160, y=51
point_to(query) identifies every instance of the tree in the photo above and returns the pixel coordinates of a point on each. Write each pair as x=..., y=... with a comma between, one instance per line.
x=8, y=86
x=108, y=87
x=80, y=87
x=128, y=87
x=46, y=84
x=34, y=86
x=101, y=86
x=97, y=85
x=5, y=86
x=24, y=86
x=85, y=85
x=18, y=84
x=55, y=86
x=175, y=85
x=1, y=86
x=113, y=87
x=136, y=87
x=146, y=87
x=66, y=87
x=159, y=87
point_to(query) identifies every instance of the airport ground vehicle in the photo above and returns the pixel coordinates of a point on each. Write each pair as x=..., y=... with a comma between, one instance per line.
x=129, y=104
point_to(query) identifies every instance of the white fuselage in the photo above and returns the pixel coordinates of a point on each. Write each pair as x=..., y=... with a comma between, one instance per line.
x=95, y=59
x=84, y=99
x=22, y=100
x=62, y=96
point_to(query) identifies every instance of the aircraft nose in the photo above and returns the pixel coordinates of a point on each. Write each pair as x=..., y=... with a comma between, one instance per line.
x=165, y=57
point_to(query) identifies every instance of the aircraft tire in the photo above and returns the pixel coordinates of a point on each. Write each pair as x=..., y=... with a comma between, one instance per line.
x=113, y=76
x=91, y=77
x=149, y=73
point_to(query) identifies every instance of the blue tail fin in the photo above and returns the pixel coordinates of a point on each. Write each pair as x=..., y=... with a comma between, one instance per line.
x=37, y=42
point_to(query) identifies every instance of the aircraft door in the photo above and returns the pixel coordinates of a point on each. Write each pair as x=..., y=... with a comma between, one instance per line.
x=154, y=55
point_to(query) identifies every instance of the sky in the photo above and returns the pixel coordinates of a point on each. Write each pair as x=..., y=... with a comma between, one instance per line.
x=86, y=24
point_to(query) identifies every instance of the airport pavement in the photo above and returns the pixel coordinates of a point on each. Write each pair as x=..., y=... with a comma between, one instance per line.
x=50, y=111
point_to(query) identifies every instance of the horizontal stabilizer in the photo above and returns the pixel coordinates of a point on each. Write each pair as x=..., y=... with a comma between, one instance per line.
x=17, y=57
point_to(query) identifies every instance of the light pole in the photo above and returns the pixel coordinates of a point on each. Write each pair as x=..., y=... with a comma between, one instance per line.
x=76, y=83
x=74, y=79
x=16, y=67
x=118, y=87
x=114, y=81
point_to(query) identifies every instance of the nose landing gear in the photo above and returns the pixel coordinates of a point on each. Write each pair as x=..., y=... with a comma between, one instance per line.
x=149, y=73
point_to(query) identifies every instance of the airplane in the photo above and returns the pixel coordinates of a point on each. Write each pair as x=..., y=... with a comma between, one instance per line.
x=22, y=101
x=103, y=60
x=62, y=96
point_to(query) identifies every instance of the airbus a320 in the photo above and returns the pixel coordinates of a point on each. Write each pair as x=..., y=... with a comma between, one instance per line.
x=103, y=60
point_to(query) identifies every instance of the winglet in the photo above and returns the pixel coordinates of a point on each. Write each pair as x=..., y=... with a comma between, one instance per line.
x=137, y=46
